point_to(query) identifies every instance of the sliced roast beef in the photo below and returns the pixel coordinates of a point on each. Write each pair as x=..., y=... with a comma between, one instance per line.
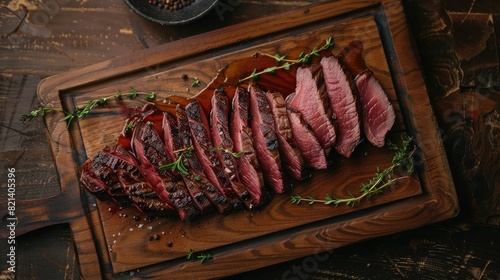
x=174, y=148
x=224, y=147
x=311, y=101
x=309, y=146
x=343, y=104
x=378, y=113
x=99, y=178
x=241, y=134
x=169, y=185
x=134, y=184
x=217, y=197
x=265, y=140
x=289, y=151
x=115, y=172
x=205, y=151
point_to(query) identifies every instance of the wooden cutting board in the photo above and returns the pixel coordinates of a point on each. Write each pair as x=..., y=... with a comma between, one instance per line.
x=113, y=242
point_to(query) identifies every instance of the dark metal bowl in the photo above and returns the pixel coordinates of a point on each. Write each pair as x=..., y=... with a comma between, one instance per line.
x=167, y=17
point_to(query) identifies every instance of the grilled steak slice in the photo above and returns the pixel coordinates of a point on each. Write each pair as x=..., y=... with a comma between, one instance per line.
x=241, y=133
x=266, y=141
x=310, y=148
x=115, y=172
x=192, y=181
x=99, y=178
x=378, y=113
x=221, y=139
x=205, y=151
x=213, y=193
x=311, y=101
x=343, y=105
x=289, y=152
x=134, y=184
x=169, y=185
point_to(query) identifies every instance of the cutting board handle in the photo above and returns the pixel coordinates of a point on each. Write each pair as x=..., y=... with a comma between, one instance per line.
x=29, y=215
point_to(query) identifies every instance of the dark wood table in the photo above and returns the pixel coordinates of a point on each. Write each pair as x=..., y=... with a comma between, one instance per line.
x=458, y=43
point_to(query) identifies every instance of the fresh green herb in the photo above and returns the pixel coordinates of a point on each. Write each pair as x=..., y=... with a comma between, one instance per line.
x=130, y=126
x=118, y=96
x=232, y=153
x=133, y=93
x=202, y=257
x=150, y=96
x=287, y=63
x=196, y=82
x=403, y=157
x=190, y=255
x=81, y=113
x=178, y=164
x=197, y=178
x=33, y=114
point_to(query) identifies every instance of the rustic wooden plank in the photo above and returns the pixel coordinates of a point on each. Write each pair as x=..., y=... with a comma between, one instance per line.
x=470, y=122
x=44, y=43
x=52, y=254
x=24, y=147
x=432, y=29
x=441, y=251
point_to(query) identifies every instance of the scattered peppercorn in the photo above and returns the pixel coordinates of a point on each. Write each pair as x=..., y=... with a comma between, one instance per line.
x=170, y=244
x=170, y=4
x=184, y=77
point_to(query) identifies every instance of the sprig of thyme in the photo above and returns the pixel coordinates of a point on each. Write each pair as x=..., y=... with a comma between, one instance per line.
x=202, y=257
x=283, y=63
x=403, y=157
x=227, y=151
x=179, y=163
x=81, y=113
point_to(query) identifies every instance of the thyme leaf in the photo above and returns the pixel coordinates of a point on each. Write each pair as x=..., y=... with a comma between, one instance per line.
x=403, y=157
x=232, y=153
x=196, y=82
x=179, y=163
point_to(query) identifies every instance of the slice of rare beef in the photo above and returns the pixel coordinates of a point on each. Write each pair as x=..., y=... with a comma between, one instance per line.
x=224, y=147
x=99, y=178
x=378, y=113
x=205, y=151
x=241, y=134
x=174, y=149
x=311, y=101
x=168, y=183
x=115, y=171
x=265, y=140
x=213, y=193
x=134, y=184
x=309, y=146
x=343, y=104
x=293, y=162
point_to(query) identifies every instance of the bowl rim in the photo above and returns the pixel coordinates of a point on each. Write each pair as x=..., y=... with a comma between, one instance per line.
x=132, y=4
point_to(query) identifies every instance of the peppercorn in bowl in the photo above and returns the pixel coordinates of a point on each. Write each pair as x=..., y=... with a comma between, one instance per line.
x=171, y=12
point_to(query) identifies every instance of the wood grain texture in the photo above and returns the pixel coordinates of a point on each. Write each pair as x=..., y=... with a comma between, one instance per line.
x=441, y=251
x=375, y=25
x=432, y=28
x=463, y=250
